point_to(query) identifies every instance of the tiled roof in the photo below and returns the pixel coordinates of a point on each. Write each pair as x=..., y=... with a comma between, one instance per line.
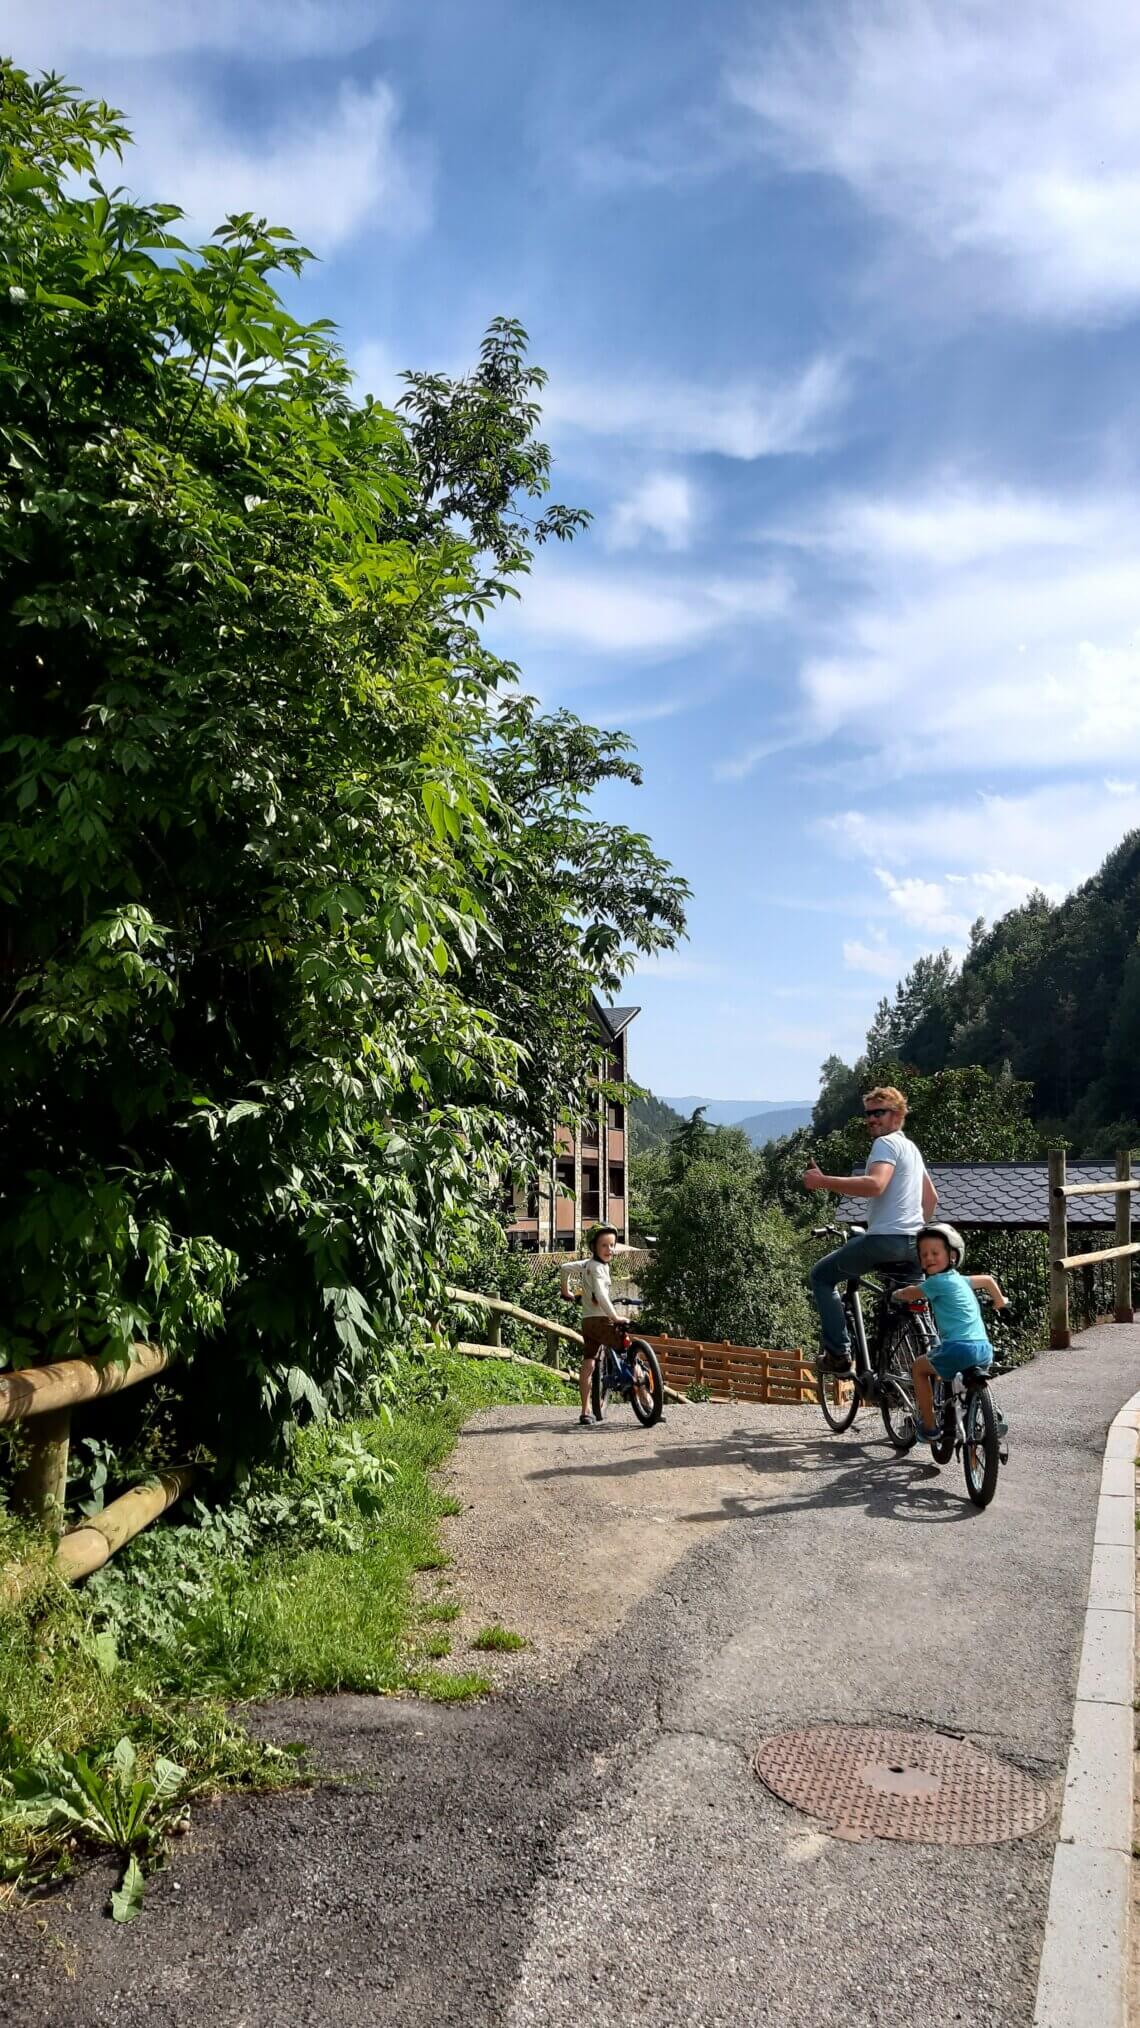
x=1006, y=1193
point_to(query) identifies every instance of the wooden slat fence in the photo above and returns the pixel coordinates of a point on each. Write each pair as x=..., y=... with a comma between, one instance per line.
x=736, y=1372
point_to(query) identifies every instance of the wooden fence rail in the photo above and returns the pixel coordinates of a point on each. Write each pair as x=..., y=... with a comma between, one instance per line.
x=44, y=1396
x=1062, y=1262
x=737, y=1372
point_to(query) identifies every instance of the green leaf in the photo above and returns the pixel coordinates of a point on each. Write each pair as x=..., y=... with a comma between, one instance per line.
x=127, y=1900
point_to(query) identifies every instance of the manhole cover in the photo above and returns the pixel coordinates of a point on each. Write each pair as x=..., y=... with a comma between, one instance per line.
x=866, y=1783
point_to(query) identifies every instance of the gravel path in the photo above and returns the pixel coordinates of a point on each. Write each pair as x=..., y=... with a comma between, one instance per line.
x=592, y=1840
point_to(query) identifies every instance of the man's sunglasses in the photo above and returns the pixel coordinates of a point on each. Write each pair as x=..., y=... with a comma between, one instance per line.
x=877, y=1112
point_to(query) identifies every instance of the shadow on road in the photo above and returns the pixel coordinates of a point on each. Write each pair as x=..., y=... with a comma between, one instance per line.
x=847, y=1473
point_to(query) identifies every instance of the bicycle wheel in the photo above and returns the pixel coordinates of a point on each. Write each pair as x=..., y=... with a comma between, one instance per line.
x=838, y=1398
x=899, y=1350
x=897, y=1407
x=942, y=1449
x=601, y=1385
x=980, y=1450
x=646, y=1377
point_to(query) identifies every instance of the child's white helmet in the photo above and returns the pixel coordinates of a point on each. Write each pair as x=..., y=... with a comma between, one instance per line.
x=951, y=1238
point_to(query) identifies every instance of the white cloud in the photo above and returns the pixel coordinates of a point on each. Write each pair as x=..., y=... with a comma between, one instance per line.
x=1003, y=135
x=328, y=172
x=995, y=848
x=636, y=615
x=47, y=31
x=877, y=957
x=975, y=630
x=661, y=508
x=742, y=419
x=1116, y=787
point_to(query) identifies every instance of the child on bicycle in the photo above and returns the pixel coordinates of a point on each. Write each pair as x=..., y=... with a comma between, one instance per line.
x=962, y=1340
x=599, y=1318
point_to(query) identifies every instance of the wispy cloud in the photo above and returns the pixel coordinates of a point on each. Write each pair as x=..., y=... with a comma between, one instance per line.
x=658, y=511
x=992, y=849
x=329, y=171
x=974, y=630
x=637, y=615
x=54, y=29
x=738, y=419
x=877, y=957
x=990, y=134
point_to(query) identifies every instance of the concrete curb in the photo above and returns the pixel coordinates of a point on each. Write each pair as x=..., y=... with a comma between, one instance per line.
x=1083, y=1980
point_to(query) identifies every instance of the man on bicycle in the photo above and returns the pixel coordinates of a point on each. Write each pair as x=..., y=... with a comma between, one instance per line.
x=900, y=1199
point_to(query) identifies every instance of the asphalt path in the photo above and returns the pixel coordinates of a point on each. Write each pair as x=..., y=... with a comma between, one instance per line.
x=596, y=1843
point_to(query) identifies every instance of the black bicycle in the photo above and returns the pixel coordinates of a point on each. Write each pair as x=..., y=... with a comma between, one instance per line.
x=882, y=1369
x=630, y=1370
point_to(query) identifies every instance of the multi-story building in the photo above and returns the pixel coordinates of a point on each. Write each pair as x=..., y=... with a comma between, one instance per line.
x=585, y=1182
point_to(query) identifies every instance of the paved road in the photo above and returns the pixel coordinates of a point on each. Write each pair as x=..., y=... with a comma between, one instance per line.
x=597, y=1846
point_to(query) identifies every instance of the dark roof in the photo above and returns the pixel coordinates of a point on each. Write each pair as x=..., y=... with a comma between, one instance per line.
x=616, y=1018
x=1005, y=1193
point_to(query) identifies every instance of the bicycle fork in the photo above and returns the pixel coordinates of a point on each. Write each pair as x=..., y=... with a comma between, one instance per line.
x=959, y=1398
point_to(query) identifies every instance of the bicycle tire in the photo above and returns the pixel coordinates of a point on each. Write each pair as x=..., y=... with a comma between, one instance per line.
x=942, y=1449
x=897, y=1407
x=898, y=1349
x=838, y=1413
x=980, y=1459
x=643, y=1355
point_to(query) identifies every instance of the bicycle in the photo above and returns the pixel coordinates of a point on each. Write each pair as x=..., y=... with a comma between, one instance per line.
x=631, y=1370
x=882, y=1380
x=970, y=1425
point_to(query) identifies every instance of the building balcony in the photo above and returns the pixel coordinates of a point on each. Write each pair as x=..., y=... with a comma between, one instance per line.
x=617, y=1144
x=564, y=1214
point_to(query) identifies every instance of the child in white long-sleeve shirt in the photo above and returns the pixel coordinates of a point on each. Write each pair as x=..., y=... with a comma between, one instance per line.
x=599, y=1317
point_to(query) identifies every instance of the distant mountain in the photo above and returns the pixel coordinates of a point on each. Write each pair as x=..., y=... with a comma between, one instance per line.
x=739, y=1112
x=774, y=1122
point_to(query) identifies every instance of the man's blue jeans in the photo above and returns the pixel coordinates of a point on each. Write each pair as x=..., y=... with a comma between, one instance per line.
x=863, y=1251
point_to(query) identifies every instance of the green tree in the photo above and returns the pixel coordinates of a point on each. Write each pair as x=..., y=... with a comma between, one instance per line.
x=274, y=835
x=726, y=1266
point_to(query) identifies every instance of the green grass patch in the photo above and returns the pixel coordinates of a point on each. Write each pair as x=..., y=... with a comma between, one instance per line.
x=497, y=1640
x=306, y=1584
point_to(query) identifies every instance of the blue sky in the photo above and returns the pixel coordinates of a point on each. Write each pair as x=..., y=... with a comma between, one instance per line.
x=839, y=305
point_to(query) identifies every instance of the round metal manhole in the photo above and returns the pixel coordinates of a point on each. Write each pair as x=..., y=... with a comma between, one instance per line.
x=925, y=1786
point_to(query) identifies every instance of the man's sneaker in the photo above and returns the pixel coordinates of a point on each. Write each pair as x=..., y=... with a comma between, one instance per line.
x=840, y=1363
x=586, y=1422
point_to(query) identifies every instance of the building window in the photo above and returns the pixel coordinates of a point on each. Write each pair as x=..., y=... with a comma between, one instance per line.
x=617, y=1117
x=617, y=1181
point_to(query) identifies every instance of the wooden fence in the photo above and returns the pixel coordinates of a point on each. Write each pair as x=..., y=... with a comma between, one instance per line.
x=1062, y=1263
x=736, y=1372
x=44, y=1397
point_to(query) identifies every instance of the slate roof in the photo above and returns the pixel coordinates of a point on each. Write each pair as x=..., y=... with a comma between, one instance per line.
x=1005, y=1193
x=616, y=1018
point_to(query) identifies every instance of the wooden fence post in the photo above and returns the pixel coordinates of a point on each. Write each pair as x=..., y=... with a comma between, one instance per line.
x=40, y=1490
x=495, y=1329
x=1059, y=1336
x=1123, y=1308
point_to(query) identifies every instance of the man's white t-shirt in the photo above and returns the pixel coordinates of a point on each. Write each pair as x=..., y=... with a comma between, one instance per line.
x=899, y=1208
x=594, y=1281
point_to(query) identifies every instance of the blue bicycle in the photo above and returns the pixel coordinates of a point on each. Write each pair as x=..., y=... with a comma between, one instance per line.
x=630, y=1370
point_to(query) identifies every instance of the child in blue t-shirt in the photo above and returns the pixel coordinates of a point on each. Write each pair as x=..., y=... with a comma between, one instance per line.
x=962, y=1340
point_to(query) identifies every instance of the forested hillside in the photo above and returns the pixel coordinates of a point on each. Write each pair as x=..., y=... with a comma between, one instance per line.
x=1051, y=990
x=651, y=1124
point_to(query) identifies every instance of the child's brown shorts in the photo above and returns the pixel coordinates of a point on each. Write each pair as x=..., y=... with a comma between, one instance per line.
x=597, y=1331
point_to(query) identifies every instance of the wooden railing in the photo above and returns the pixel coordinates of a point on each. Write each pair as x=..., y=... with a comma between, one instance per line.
x=554, y=1332
x=1062, y=1262
x=44, y=1397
